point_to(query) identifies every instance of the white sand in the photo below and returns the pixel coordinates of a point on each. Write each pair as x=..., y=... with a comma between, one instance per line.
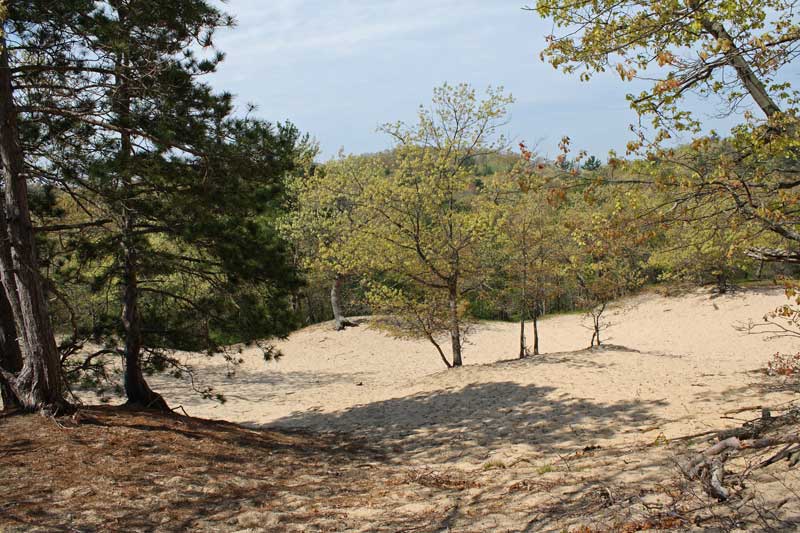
x=672, y=363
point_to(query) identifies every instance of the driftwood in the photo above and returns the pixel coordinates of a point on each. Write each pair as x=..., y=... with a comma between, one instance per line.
x=703, y=458
x=708, y=466
x=715, y=487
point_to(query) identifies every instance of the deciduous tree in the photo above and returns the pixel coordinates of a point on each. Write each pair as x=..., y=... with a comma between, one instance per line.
x=426, y=236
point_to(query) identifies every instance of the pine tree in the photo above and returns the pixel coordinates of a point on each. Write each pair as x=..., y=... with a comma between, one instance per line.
x=174, y=200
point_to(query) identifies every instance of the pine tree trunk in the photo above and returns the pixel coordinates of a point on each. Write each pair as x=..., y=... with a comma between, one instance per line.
x=522, y=350
x=340, y=322
x=38, y=384
x=137, y=390
x=455, y=326
x=10, y=355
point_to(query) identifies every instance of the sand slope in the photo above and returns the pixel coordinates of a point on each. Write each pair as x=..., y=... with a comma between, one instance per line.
x=550, y=443
x=671, y=364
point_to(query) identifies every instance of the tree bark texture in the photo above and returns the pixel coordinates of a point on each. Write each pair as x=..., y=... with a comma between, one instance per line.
x=38, y=385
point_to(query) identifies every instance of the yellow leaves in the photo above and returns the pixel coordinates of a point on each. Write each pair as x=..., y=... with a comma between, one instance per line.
x=667, y=85
x=663, y=134
x=700, y=143
x=633, y=146
x=625, y=74
x=556, y=196
x=664, y=58
x=526, y=154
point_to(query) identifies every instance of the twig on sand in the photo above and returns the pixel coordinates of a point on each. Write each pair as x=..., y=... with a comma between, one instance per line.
x=181, y=408
x=695, y=435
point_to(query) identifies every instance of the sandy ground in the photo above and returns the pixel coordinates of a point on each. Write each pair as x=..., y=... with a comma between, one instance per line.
x=521, y=437
x=672, y=364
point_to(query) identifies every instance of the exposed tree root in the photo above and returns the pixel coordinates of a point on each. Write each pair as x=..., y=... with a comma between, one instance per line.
x=708, y=466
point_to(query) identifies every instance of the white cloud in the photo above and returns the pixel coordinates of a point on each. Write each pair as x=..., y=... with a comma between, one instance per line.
x=290, y=28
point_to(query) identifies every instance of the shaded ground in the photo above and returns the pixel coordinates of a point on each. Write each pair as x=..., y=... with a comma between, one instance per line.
x=111, y=470
x=474, y=422
x=107, y=469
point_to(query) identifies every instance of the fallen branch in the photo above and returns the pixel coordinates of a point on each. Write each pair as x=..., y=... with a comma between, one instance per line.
x=709, y=465
x=703, y=459
x=715, y=487
x=743, y=409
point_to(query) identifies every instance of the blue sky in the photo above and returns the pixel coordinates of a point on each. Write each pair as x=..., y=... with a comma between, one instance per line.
x=340, y=68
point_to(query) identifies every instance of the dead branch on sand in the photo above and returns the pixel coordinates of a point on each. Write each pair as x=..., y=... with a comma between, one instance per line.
x=708, y=466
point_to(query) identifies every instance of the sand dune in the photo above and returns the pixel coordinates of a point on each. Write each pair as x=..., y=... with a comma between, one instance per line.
x=672, y=364
x=561, y=440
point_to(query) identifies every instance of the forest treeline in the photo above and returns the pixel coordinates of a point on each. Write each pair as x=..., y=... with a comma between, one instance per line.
x=142, y=215
x=450, y=226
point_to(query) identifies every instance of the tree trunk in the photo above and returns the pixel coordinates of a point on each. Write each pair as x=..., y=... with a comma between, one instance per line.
x=597, y=330
x=536, y=329
x=455, y=326
x=137, y=390
x=340, y=322
x=38, y=384
x=596, y=317
x=439, y=349
x=523, y=349
x=722, y=283
x=751, y=82
x=10, y=354
x=312, y=316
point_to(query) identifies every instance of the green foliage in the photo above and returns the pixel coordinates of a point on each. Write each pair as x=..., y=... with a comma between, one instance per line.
x=328, y=214
x=612, y=244
x=726, y=48
x=169, y=206
x=710, y=252
x=534, y=238
x=429, y=219
x=679, y=47
x=591, y=164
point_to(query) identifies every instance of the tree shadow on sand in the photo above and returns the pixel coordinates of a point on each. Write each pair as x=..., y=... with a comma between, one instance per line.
x=249, y=386
x=473, y=421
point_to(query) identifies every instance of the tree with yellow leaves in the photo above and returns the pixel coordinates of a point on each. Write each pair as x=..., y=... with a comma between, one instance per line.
x=733, y=50
x=428, y=239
